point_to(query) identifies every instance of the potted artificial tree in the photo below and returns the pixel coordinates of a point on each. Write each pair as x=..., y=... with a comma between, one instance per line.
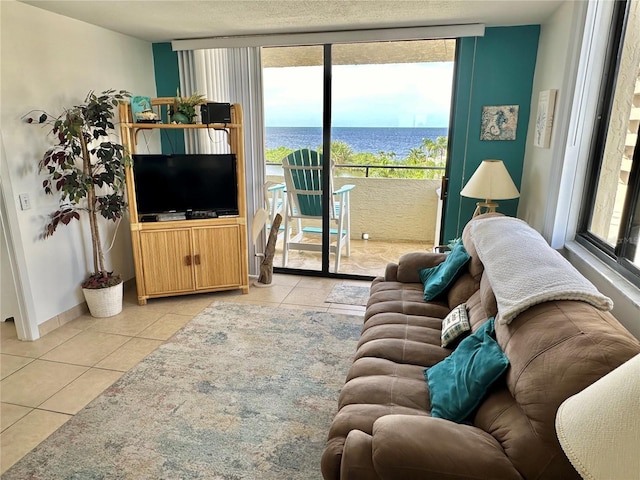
x=184, y=109
x=86, y=168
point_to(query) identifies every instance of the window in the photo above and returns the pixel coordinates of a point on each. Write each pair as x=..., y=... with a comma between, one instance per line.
x=610, y=222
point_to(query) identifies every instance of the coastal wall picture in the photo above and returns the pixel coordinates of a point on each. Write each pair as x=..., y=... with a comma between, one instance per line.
x=141, y=109
x=544, y=118
x=499, y=122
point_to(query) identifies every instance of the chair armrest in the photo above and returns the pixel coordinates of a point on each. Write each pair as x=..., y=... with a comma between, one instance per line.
x=275, y=186
x=344, y=189
x=413, y=447
x=410, y=263
x=274, y=197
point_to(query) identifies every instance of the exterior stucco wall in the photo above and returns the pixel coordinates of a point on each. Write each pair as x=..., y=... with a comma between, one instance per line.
x=391, y=209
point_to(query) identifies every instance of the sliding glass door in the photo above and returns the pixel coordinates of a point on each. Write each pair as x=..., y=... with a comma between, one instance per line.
x=294, y=104
x=389, y=128
x=386, y=136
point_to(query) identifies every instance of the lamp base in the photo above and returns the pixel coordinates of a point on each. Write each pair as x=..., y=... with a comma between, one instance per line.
x=485, y=207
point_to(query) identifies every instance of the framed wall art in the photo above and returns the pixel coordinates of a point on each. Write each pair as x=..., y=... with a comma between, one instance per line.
x=141, y=109
x=499, y=122
x=544, y=118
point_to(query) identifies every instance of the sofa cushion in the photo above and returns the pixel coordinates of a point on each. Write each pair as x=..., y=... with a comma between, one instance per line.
x=455, y=325
x=417, y=447
x=410, y=263
x=555, y=349
x=462, y=289
x=476, y=312
x=458, y=384
x=437, y=279
x=402, y=298
x=403, y=351
x=487, y=297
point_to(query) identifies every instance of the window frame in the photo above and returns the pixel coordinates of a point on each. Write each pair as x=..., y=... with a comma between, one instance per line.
x=612, y=256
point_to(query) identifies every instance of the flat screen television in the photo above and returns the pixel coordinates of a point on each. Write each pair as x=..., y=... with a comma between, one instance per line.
x=186, y=183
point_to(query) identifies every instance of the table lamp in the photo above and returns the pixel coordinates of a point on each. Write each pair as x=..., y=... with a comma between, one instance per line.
x=490, y=181
x=599, y=427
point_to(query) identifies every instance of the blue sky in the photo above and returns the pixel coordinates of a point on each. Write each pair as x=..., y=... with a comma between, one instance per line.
x=386, y=95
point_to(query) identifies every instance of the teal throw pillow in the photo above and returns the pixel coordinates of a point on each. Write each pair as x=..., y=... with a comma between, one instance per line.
x=458, y=383
x=437, y=279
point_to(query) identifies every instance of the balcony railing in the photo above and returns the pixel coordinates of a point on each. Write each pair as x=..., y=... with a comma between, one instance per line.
x=388, y=209
x=367, y=168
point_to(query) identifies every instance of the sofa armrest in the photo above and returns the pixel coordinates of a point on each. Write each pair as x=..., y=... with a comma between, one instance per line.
x=410, y=263
x=391, y=272
x=417, y=447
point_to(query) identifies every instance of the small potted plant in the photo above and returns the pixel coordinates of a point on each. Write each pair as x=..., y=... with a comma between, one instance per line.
x=86, y=168
x=183, y=110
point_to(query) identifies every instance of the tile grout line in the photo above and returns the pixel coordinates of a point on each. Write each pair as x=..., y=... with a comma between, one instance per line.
x=279, y=304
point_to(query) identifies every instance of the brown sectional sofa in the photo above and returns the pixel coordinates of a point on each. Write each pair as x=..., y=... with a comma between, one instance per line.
x=383, y=428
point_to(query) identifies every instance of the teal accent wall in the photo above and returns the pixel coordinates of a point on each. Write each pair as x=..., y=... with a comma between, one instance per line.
x=165, y=63
x=496, y=69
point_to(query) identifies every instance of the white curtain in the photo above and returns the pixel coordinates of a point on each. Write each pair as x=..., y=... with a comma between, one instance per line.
x=232, y=75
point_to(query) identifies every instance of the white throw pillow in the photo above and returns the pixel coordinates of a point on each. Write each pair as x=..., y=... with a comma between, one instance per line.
x=455, y=325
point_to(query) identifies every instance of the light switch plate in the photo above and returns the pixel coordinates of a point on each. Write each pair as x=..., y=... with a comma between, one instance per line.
x=25, y=203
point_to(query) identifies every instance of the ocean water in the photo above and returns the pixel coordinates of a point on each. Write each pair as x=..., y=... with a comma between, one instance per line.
x=368, y=140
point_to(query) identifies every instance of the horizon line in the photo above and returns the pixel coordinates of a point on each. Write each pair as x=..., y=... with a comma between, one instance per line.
x=337, y=126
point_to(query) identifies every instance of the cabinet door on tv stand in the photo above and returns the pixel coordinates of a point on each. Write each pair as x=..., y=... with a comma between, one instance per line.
x=217, y=256
x=167, y=261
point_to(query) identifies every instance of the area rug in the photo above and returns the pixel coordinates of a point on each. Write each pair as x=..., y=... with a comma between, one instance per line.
x=349, y=295
x=241, y=392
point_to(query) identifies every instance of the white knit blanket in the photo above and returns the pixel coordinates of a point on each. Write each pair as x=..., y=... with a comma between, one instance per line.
x=524, y=270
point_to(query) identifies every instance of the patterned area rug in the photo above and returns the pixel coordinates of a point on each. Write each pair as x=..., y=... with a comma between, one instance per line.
x=349, y=295
x=241, y=392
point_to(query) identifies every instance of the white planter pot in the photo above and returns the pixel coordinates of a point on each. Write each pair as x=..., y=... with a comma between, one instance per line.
x=104, y=302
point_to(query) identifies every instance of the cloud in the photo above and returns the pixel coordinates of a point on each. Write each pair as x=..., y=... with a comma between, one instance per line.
x=393, y=95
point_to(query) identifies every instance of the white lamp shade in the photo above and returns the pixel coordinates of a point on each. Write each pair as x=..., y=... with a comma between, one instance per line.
x=491, y=181
x=599, y=427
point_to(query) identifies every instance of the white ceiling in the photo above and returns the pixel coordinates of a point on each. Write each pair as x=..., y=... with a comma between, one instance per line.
x=161, y=21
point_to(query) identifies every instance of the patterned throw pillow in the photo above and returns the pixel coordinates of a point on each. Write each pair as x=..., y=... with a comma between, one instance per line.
x=455, y=325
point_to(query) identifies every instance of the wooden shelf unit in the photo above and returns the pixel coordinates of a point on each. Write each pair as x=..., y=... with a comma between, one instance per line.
x=187, y=256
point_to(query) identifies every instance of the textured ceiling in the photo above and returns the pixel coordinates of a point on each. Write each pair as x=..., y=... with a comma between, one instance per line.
x=161, y=21
x=362, y=53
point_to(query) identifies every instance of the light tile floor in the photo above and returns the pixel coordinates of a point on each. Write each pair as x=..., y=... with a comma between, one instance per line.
x=368, y=257
x=44, y=383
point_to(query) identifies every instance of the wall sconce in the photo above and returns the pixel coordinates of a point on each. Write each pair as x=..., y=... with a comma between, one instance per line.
x=490, y=181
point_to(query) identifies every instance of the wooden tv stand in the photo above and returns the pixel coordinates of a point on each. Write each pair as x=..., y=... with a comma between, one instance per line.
x=187, y=256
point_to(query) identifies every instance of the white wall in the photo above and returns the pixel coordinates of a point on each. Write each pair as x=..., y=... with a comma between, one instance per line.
x=50, y=62
x=625, y=295
x=556, y=56
x=553, y=179
x=9, y=306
